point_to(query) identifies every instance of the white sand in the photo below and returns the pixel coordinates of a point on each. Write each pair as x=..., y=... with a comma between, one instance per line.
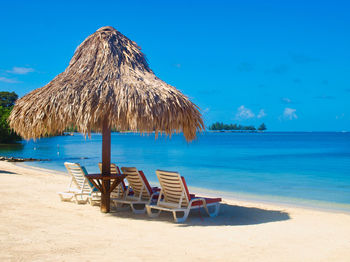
x=36, y=226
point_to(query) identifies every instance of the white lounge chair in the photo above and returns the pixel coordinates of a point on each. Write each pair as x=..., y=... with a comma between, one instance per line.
x=175, y=197
x=79, y=187
x=143, y=193
x=119, y=191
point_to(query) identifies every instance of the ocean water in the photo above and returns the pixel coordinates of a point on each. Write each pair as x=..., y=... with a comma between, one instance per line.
x=293, y=167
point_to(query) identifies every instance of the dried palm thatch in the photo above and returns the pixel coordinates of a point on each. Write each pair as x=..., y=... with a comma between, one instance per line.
x=108, y=76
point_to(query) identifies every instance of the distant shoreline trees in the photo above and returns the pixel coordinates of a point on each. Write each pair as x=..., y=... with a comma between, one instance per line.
x=262, y=127
x=219, y=126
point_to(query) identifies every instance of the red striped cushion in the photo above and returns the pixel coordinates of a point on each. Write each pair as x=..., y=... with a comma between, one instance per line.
x=149, y=188
x=192, y=196
x=207, y=200
x=186, y=189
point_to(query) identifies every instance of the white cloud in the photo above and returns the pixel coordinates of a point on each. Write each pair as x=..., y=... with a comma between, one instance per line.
x=261, y=113
x=244, y=113
x=8, y=80
x=289, y=113
x=20, y=70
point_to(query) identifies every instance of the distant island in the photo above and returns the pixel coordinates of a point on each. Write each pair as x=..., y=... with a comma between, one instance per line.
x=234, y=127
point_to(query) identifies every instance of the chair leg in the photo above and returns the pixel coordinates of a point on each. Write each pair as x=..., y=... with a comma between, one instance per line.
x=115, y=204
x=93, y=202
x=81, y=200
x=94, y=199
x=215, y=212
x=182, y=219
x=65, y=199
x=120, y=206
x=150, y=213
x=137, y=211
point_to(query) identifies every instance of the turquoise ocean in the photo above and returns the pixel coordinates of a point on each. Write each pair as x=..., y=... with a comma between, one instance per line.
x=308, y=168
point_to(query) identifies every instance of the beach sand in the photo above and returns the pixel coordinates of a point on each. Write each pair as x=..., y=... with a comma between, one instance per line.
x=36, y=226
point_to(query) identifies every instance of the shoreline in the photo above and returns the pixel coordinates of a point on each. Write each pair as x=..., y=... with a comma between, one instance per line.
x=36, y=226
x=245, y=197
x=279, y=200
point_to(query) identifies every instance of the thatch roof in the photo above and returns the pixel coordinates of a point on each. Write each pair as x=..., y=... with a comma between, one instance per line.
x=107, y=76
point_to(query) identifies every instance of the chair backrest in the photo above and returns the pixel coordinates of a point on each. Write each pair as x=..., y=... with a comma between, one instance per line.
x=78, y=176
x=114, y=169
x=173, y=188
x=138, y=182
x=121, y=188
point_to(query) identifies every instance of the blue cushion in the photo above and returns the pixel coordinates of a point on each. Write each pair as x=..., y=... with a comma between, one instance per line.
x=94, y=189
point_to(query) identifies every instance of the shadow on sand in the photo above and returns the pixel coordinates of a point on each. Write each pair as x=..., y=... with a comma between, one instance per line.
x=230, y=215
x=7, y=172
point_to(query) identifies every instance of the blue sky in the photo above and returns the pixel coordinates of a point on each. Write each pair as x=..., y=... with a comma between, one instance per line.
x=284, y=63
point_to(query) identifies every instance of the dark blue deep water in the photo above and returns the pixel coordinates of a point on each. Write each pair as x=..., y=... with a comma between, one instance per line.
x=300, y=166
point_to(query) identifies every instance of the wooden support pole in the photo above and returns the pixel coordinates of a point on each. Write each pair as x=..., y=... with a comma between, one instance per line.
x=106, y=165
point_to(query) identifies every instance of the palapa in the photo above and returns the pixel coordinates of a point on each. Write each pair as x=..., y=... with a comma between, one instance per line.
x=108, y=84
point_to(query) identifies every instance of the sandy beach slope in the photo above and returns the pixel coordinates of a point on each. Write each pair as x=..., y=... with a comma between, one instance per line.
x=36, y=226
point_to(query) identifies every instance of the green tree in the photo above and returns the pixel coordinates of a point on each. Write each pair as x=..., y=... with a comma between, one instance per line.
x=7, y=100
x=249, y=128
x=216, y=126
x=262, y=127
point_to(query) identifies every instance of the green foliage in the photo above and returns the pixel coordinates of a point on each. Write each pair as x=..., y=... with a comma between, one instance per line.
x=262, y=127
x=7, y=136
x=221, y=126
x=74, y=128
x=7, y=100
x=71, y=128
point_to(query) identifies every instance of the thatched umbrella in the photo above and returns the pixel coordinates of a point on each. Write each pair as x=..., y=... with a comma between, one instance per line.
x=108, y=84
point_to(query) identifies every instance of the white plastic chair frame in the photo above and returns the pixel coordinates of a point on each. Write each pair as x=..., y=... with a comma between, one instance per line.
x=79, y=187
x=174, y=198
x=141, y=194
